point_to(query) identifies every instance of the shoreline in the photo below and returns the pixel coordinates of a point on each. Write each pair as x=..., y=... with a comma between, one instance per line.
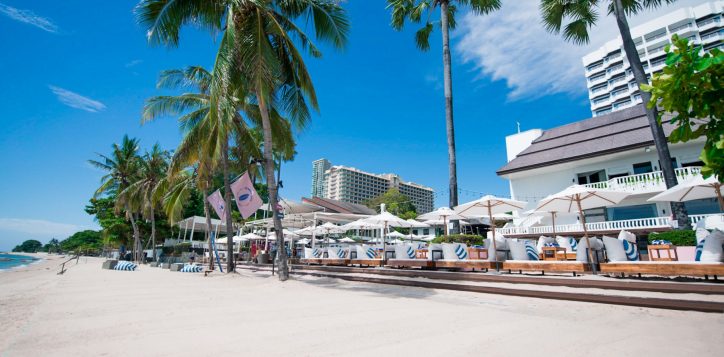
x=153, y=311
x=37, y=258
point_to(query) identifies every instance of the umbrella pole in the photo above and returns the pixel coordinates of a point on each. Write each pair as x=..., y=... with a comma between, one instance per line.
x=585, y=234
x=444, y=221
x=553, y=218
x=492, y=229
x=384, y=248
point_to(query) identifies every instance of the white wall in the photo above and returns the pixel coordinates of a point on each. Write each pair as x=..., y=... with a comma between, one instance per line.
x=516, y=143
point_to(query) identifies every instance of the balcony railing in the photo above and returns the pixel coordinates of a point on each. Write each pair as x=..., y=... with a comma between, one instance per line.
x=645, y=183
x=653, y=223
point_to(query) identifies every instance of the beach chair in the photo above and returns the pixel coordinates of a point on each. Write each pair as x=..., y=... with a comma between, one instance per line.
x=336, y=256
x=312, y=256
x=410, y=256
x=709, y=260
x=366, y=256
x=525, y=258
x=459, y=256
x=125, y=266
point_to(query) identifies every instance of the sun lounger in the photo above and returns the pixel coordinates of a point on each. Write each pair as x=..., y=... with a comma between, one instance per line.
x=366, y=256
x=410, y=256
x=335, y=256
x=664, y=268
x=125, y=265
x=525, y=257
x=459, y=256
x=312, y=256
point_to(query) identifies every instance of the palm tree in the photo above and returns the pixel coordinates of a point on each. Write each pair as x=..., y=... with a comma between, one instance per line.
x=414, y=11
x=257, y=56
x=582, y=15
x=147, y=189
x=122, y=167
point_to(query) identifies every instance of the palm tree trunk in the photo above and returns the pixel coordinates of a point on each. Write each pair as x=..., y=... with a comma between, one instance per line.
x=207, y=213
x=449, y=124
x=136, y=236
x=227, y=204
x=153, y=234
x=272, y=187
x=662, y=148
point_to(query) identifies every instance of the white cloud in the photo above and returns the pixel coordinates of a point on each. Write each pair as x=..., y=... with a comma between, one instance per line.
x=512, y=45
x=76, y=100
x=28, y=17
x=133, y=63
x=38, y=227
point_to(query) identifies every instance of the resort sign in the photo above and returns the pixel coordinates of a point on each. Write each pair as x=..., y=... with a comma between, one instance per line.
x=217, y=202
x=245, y=195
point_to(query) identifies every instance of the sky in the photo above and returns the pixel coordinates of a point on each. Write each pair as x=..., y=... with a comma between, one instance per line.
x=75, y=78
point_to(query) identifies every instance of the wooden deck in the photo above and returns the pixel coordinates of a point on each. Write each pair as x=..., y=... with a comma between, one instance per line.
x=465, y=264
x=410, y=263
x=547, y=265
x=366, y=262
x=665, y=268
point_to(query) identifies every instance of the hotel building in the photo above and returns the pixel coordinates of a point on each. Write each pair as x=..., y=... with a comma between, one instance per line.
x=611, y=84
x=348, y=184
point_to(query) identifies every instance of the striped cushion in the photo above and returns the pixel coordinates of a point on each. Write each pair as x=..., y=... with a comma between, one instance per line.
x=531, y=251
x=124, y=265
x=410, y=252
x=188, y=268
x=631, y=252
x=370, y=253
x=461, y=252
x=574, y=244
x=317, y=253
x=342, y=253
x=699, y=250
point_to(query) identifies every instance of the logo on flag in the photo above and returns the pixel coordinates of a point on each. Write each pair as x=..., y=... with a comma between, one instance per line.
x=216, y=201
x=245, y=195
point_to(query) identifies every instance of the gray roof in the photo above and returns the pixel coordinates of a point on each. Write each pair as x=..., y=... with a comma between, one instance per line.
x=606, y=134
x=337, y=206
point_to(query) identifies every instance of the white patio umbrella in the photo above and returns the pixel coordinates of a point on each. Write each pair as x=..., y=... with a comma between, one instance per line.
x=395, y=234
x=397, y=241
x=252, y=236
x=304, y=241
x=488, y=206
x=577, y=198
x=328, y=228
x=386, y=219
x=444, y=213
x=346, y=240
x=416, y=224
x=694, y=189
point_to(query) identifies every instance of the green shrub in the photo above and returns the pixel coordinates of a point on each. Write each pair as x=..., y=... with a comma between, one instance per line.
x=676, y=237
x=460, y=238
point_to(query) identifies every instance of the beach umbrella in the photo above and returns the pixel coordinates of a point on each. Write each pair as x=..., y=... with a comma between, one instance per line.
x=444, y=213
x=577, y=198
x=303, y=241
x=488, y=206
x=395, y=234
x=386, y=219
x=693, y=189
x=249, y=236
x=347, y=240
x=416, y=224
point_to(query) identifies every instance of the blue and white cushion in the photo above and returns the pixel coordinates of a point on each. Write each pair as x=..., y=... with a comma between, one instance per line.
x=125, y=265
x=712, y=250
x=461, y=252
x=632, y=253
x=410, y=252
x=573, y=243
x=342, y=253
x=190, y=268
x=699, y=250
x=531, y=251
x=317, y=253
x=370, y=253
x=660, y=242
x=454, y=251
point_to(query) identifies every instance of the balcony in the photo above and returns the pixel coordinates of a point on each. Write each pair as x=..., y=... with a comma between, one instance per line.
x=649, y=182
x=708, y=23
x=711, y=36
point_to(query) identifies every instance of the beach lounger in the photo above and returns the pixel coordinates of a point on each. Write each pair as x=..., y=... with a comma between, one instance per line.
x=525, y=258
x=312, y=256
x=336, y=256
x=662, y=268
x=459, y=256
x=410, y=256
x=366, y=256
x=125, y=265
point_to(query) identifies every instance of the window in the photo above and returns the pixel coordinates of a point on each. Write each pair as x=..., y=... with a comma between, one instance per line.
x=426, y=231
x=631, y=212
x=693, y=163
x=591, y=177
x=642, y=168
x=703, y=206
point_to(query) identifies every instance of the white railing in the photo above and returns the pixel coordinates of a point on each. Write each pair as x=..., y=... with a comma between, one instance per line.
x=645, y=183
x=695, y=218
x=607, y=226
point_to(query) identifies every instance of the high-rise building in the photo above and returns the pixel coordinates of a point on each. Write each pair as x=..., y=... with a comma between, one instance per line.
x=348, y=184
x=611, y=84
x=319, y=167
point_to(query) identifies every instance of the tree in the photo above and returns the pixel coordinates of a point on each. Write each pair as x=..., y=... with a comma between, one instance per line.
x=583, y=15
x=122, y=167
x=414, y=11
x=690, y=89
x=29, y=246
x=147, y=188
x=114, y=225
x=86, y=241
x=395, y=203
x=53, y=246
x=258, y=63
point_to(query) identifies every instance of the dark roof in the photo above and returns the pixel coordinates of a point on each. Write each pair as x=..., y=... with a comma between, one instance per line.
x=336, y=206
x=606, y=134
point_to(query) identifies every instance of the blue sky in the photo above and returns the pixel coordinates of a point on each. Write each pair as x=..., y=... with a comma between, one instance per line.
x=76, y=77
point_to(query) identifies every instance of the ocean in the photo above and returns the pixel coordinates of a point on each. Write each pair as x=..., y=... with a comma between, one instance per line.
x=8, y=261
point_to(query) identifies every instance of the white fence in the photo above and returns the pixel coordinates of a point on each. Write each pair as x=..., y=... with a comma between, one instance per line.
x=645, y=183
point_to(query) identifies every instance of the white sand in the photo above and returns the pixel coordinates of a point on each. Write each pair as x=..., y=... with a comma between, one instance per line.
x=89, y=311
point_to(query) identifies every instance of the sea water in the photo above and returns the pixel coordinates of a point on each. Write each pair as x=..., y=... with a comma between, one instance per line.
x=8, y=261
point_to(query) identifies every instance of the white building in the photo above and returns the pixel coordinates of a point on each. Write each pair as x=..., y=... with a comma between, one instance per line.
x=319, y=167
x=348, y=184
x=611, y=84
x=613, y=151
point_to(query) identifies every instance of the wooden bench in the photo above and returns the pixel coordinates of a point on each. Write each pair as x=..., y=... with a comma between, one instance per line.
x=410, y=263
x=665, y=268
x=366, y=262
x=315, y=261
x=334, y=261
x=472, y=264
x=561, y=266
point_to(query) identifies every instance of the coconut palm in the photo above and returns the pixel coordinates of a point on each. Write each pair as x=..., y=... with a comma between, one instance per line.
x=147, y=189
x=582, y=16
x=416, y=11
x=257, y=56
x=122, y=169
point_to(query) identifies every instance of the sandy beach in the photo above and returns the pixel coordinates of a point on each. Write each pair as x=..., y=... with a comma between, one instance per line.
x=89, y=312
